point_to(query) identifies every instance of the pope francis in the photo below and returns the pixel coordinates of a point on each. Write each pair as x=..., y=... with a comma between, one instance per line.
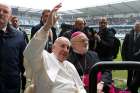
x=51, y=72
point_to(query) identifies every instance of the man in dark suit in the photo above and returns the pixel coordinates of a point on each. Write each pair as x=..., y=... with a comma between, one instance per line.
x=105, y=41
x=104, y=47
x=15, y=24
x=52, y=33
x=12, y=44
x=131, y=52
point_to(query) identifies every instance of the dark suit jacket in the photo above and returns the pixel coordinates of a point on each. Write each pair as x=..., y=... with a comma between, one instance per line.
x=131, y=52
x=131, y=48
x=37, y=27
x=105, y=46
x=25, y=35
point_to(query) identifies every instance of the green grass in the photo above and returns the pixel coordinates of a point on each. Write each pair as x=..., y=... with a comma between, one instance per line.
x=119, y=76
x=119, y=58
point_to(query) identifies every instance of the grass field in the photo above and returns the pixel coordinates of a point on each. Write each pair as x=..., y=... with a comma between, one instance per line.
x=119, y=76
x=119, y=73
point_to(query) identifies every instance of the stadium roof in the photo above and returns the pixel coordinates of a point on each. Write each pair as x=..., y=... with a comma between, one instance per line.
x=110, y=9
x=23, y=10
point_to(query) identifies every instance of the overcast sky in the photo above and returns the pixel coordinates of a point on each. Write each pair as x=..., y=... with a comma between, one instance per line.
x=66, y=4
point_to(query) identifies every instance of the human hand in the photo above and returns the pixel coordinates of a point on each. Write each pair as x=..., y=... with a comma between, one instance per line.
x=97, y=37
x=100, y=86
x=52, y=18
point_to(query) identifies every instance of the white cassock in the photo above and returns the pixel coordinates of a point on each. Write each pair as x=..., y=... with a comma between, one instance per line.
x=50, y=75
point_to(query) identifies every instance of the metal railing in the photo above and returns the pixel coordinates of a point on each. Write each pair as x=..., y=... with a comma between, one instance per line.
x=124, y=65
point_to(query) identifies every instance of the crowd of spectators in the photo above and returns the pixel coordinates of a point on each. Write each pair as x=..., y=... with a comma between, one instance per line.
x=112, y=20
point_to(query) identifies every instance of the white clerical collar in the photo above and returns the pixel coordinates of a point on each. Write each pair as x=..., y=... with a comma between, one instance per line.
x=4, y=29
x=18, y=28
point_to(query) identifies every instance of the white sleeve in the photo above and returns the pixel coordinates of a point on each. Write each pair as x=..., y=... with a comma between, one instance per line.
x=33, y=53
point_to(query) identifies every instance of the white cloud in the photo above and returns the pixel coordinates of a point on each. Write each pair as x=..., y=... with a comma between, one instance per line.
x=66, y=4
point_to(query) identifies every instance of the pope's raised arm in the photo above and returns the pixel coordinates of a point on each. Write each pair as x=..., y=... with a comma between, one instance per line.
x=34, y=49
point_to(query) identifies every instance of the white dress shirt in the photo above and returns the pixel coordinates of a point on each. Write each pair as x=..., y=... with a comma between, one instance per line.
x=50, y=75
